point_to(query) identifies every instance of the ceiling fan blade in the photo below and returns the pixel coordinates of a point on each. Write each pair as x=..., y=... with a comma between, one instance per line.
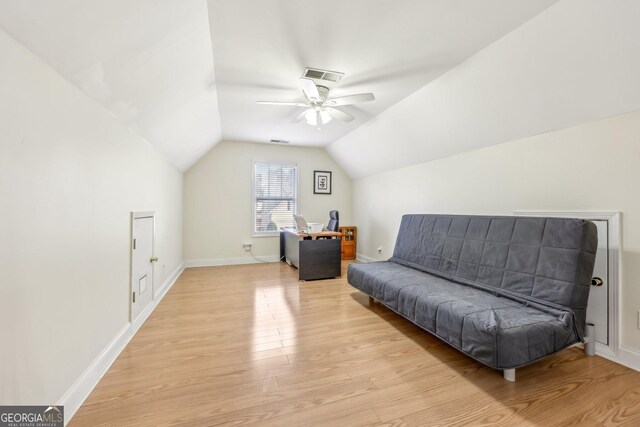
x=300, y=117
x=339, y=115
x=351, y=99
x=295, y=104
x=309, y=88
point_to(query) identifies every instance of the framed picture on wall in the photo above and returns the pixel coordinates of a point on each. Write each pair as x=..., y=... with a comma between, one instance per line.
x=321, y=182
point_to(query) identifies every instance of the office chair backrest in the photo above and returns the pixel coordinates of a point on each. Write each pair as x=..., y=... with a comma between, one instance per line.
x=334, y=221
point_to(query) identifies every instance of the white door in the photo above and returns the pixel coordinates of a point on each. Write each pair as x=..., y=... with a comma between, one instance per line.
x=142, y=259
x=598, y=306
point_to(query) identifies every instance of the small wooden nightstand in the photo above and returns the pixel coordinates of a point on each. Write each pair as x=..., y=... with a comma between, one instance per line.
x=349, y=239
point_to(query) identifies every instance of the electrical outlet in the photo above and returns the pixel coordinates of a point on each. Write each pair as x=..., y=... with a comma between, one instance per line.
x=246, y=246
x=379, y=249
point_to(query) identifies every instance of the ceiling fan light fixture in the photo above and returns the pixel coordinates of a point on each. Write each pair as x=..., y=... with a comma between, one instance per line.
x=311, y=116
x=317, y=116
x=320, y=108
x=324, y=117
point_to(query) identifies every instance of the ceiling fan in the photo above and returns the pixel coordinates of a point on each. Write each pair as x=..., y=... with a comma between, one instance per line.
x=319, y=108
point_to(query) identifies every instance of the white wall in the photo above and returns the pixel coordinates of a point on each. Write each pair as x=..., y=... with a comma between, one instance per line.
x=590, y=167
x=70, y=174
x=218, y=199
x=574, y=63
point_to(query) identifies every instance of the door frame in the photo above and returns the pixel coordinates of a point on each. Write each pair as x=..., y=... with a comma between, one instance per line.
x=134, y=216
x=613, y=219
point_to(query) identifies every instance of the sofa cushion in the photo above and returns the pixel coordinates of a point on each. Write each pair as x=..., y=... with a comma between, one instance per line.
x=496, y=330
x=548, y=261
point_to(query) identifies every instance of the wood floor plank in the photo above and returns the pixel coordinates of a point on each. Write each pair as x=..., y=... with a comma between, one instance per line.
x=252, y=345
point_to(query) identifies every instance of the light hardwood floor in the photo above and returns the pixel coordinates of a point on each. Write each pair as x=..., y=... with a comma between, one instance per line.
x=250, y=345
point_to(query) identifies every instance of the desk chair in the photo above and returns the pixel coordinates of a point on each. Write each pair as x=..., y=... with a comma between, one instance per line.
x=334, y=221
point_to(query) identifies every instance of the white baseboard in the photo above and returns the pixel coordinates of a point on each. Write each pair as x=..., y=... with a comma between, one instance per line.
x=162, y=291
x=363, y=258
x=143, y=316
x=82, y=387
x=157, y=297
x=625, y=357
x=606, y=352
x=216, y=262
x=629, y=358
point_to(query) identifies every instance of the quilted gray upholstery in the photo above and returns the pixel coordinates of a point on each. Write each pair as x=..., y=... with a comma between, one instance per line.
x=504, y=290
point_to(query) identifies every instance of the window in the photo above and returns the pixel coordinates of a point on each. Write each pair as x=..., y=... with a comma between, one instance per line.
x=275, y=196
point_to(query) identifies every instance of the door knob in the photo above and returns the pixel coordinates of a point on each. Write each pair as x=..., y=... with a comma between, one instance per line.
x=596, y=281
x=154, y=259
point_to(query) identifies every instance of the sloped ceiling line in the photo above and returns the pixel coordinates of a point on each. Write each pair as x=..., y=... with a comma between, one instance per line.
x=575, y=62
x=185, y=75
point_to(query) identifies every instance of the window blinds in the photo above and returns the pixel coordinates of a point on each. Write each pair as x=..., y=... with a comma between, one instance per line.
x=275, y=196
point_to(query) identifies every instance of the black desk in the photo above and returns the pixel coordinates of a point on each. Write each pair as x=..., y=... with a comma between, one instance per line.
x=314, y=258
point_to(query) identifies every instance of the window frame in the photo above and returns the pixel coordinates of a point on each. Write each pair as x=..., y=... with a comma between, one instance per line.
x=254, y=232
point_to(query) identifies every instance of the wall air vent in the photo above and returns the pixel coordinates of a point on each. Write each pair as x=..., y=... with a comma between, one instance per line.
x=279, y=141
x=317, y=74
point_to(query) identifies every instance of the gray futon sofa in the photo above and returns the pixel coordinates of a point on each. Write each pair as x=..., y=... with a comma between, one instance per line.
x=506, y=291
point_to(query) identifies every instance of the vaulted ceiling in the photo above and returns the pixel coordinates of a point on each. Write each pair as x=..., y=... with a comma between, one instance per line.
x=187, y=74
x=149, y=62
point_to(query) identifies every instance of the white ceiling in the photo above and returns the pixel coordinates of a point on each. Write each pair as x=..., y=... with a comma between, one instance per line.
x=390, y=48
x=151, y=62
x=545, y=75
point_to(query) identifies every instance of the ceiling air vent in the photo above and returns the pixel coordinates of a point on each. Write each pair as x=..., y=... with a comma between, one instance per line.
x=279, y=141
x=317, y=74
